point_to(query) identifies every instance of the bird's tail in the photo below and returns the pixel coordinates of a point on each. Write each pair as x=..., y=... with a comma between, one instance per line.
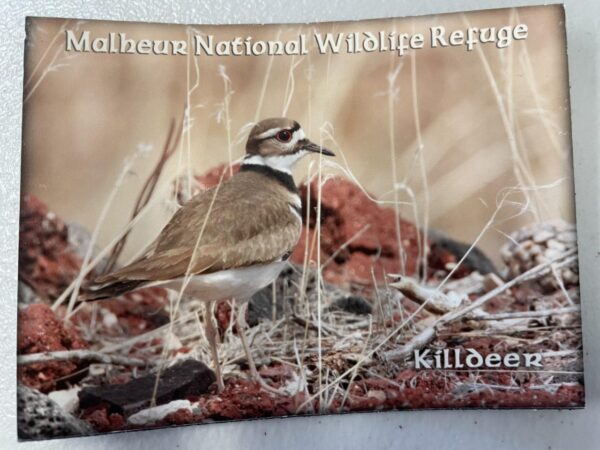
x=99, y=291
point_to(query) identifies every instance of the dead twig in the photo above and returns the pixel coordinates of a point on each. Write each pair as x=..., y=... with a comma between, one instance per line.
x=306, y=323
x=508, y=332
x=433, y=300
x=529, y=314
x=429, y=333
x=81, y=355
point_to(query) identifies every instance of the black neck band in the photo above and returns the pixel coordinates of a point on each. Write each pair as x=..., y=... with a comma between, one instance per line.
x=285, y=179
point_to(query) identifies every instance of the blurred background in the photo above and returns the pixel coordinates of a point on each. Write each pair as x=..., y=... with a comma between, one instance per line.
x=489, y=119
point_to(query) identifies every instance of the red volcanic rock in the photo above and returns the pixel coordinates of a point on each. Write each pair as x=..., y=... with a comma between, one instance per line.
x=445, y=253
x=223, y=316
x=179, y=417
x=46, y=261
x=442, y=259
x=101, y=420
x=434, y=389
x=308, y=234
x=41, y=331
x=359, y=232
x=243, y=399
x=139, y=311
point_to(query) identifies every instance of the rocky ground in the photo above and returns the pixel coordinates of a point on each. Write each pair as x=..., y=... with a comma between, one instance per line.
x=95, y=370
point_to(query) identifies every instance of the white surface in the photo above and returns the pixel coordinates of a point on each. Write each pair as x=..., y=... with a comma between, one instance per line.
x=152, y=415
x=410, y=430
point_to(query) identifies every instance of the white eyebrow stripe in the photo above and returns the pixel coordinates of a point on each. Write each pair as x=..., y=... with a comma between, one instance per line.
x=269, y=133
x=298, y=135
x=283, y=163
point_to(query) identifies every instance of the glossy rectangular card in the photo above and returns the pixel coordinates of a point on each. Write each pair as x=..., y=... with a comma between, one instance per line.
x=238, y=222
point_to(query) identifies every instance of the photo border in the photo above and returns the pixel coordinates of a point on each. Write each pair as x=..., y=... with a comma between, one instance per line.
x=453, y=428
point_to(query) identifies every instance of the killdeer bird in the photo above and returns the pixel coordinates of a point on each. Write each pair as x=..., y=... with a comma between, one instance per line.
x=231, y=240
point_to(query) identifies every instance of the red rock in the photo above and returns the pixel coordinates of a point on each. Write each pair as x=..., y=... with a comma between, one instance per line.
x=361, y=234
x=406, y=375
x=140, y=311
x=116, y=421
x=179, y=417
x=41, y=331
x=223, y=315
x=47, y=263
x=300, y=250
x=244, y=399
x=100, y=419
x=363, y=403
x=442, y=259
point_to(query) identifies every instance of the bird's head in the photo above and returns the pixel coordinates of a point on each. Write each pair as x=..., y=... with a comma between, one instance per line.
x=279, y=143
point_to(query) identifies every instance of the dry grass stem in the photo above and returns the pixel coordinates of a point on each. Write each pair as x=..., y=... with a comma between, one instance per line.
x=428, y=334
x=81, y=355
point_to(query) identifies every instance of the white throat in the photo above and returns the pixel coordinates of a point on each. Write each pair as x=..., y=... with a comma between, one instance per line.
x=283, y=163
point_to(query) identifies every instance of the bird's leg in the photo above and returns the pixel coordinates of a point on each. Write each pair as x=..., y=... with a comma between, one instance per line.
x=241, y=328
x=211, y=334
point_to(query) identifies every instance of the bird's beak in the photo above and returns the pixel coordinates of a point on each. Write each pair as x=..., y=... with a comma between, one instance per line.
x=314, y=148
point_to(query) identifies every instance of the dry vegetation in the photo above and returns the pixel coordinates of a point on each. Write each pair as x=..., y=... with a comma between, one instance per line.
x=325, y=358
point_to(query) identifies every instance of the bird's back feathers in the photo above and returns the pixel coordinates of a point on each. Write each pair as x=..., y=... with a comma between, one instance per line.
x=249, y=219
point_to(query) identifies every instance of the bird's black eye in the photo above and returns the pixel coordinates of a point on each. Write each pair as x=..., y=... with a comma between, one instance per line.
x=284, y=136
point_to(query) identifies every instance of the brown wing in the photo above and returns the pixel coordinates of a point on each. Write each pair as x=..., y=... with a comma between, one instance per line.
x=236, y=231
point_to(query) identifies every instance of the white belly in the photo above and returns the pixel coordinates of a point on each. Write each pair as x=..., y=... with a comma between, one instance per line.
x=240, y=283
